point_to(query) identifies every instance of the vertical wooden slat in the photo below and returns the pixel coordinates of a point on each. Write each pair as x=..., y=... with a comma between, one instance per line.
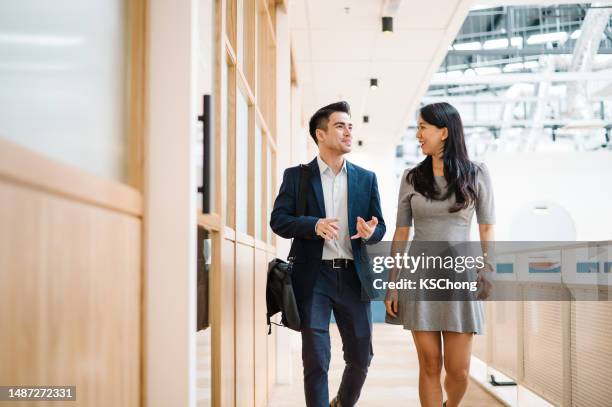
x=231, y=147
x=137, y=92
x=231, y=21
x=260, y=333
x=245, y=369
x=226, y=328
x=250, y=44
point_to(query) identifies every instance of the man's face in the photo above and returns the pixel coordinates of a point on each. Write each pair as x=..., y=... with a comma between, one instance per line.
x=338, y=136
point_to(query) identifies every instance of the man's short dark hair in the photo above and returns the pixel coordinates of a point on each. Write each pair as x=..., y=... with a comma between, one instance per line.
x=320, y=119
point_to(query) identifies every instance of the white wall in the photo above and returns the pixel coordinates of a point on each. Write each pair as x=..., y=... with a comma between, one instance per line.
x=170, y=212
x=577, y=181
x=380, y=158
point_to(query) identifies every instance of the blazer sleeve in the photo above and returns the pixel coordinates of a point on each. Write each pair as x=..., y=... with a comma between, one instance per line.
x=375, y=210
x=283, y=219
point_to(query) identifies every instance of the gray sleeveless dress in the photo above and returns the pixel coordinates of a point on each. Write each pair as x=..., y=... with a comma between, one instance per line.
x=433, y=222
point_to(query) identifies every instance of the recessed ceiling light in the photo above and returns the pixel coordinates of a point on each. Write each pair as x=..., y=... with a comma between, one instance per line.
x=366, y=119
x=496, y=43
x=540, y=210
x=387, y=25
x=373, y=83
x=468, y=46
x=559, y=36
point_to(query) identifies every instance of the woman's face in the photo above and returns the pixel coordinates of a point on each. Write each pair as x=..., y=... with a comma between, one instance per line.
x=431, y=138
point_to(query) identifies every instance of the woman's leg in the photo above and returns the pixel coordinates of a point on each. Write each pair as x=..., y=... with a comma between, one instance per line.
x=457, y=353
x=429, y=349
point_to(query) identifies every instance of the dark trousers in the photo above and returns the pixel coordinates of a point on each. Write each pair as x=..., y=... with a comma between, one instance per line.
x=336, y=290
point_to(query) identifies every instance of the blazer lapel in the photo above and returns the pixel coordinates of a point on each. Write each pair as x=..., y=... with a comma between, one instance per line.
x=317, y=187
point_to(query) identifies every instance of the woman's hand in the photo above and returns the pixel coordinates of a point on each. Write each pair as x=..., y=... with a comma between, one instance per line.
x=391, y=303
x=483, y=283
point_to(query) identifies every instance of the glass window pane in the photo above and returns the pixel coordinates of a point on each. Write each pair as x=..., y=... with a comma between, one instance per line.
x=228, y=114
x=258, y=184
x=270, y=188
x=63, y=73
x=240, y=33
x=242, y=162
x=204, y=80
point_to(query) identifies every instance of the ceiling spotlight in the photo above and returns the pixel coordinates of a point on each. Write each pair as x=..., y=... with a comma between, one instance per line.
x=387, y=25
x=366, y=119
x=373, y=83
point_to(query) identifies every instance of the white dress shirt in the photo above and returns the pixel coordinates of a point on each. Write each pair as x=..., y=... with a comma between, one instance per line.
x=335, y=196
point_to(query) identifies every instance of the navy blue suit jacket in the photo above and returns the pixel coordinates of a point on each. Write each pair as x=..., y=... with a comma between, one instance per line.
x=363, y=200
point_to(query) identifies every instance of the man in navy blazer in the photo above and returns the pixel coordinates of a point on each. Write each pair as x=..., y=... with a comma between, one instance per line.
x=330, y=272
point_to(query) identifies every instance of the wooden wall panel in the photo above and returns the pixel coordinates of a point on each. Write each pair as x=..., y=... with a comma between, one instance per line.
x=245, y=369
x=113, y=263
x=591, y=353
x=504, y=341
x=261, y=328
x=272, y=350
x=69, y=297
x=481, y=343
x=226, y=327
x=70, y=324
x=543, y=350
x=22, y=310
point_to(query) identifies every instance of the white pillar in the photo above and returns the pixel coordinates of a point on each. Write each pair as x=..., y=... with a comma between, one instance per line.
x=170, y=196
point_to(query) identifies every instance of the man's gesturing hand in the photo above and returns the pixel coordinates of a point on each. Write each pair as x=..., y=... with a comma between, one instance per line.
x=327, y=228
x=365, y=229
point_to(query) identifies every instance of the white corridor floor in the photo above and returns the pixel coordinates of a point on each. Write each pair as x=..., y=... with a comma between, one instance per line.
x=392, y=378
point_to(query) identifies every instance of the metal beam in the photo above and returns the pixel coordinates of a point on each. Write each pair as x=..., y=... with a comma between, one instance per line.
x=490, y=99
x=525, y=77
x=499, y=3
x=568, y=124
x=519, y=52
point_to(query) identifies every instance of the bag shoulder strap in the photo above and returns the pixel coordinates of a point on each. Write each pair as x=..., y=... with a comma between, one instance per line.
x=301, y=200
x=303, y=191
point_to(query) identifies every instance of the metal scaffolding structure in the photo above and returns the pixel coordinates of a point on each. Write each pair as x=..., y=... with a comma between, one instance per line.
x=528, y=78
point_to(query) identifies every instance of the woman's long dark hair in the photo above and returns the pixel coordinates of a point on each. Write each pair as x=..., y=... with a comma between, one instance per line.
x=459, y=171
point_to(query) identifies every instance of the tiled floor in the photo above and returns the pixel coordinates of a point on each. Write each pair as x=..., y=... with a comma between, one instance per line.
x=392, y=378
x=203, y=366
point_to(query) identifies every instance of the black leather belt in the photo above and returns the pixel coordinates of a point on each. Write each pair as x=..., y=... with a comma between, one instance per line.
x=338, y=263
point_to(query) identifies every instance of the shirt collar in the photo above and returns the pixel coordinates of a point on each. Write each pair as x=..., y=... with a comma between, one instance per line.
x=324, y=167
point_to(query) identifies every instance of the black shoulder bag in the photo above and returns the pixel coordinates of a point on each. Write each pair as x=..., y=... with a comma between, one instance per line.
x=279, y=288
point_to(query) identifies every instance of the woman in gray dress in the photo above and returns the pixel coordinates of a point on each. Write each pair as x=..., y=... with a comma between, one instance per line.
x=440, y=195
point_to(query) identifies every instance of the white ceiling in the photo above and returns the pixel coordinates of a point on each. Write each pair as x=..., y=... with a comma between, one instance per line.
x=337, y=53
